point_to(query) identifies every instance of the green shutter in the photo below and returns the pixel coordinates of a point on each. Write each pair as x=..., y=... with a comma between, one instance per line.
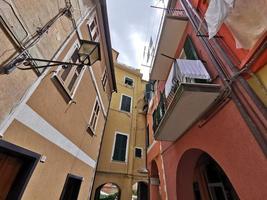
x=120, y=147
x=190, y=50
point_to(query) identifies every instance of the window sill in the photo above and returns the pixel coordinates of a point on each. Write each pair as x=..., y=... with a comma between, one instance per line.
x=128, y=86
x=118, y=162
x=126, y=112
x=90, y=131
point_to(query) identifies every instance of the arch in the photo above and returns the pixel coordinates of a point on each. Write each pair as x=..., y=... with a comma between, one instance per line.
x=113, y=195
x=199, y=176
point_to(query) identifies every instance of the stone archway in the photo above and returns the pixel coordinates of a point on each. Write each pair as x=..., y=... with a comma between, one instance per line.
x=108, y=191
x=199, y=176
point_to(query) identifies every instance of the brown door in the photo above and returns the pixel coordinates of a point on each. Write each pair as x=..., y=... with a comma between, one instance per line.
x=9, y=169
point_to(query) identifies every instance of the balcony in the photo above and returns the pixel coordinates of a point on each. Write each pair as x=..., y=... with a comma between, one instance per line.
x=173, y=27
x=188, y=94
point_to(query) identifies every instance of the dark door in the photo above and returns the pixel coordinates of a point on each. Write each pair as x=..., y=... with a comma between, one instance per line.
x=9, y=169
x=142, y=191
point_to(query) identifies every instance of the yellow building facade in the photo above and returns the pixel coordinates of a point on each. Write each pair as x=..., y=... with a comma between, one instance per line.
x=122, y=159
x=52, y=119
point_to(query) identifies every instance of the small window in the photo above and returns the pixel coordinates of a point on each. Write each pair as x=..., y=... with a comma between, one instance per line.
x=190, y=50
x=71, y=188
x=126, y=102
x=69, y=76
x=128, y=81
x=94, y=117
x=138, y=152
x=104, y=80
x=147, y=136
x=120, y=148
x=93, y=29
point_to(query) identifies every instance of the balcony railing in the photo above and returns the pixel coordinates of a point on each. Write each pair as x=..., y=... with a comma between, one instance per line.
x=176, y=13
x=188, y=94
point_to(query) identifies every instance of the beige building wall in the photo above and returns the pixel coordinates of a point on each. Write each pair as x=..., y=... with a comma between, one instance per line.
x=34, y=111
x=124, y=174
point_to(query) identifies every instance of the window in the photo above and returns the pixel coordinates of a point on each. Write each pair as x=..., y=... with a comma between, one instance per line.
x=189, y=49
x=16, y=167
x=71, y=188
x=258, y=83
x=94, y=116
x=138, y=152
x=120, y=148
x=126, y=103
x=93, y=29
x=69, y=76
x=128, y=81
x=147, y=136
x=104, y=80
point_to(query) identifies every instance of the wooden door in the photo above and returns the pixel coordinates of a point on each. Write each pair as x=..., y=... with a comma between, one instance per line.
x=9, y=169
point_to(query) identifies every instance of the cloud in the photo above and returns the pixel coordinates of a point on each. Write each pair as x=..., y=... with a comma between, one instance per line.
x=132, y=23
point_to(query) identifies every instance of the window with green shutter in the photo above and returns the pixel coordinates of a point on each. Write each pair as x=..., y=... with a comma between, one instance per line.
x=126, y=103
x=190, y=50
x=120, y=148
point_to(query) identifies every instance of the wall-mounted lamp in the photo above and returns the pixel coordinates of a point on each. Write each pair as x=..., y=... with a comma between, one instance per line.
x=89, y=53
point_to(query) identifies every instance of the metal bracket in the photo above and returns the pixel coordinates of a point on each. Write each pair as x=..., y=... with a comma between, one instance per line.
x=201, y=35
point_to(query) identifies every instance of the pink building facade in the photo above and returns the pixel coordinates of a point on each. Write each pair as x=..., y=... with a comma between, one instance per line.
x=207, y=127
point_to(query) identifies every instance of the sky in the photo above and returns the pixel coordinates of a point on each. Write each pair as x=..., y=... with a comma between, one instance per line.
x=132, y=24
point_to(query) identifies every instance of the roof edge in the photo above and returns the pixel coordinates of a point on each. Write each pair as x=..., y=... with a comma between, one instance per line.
x=104, y=13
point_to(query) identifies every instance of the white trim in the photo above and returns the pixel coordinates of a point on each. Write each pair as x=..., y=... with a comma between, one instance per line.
x=34, y=121
x=89, y=22
x=66, y=57
x=141, y=152
x=104, y=76
x=122, y=94
x=97, y=91
x=92, y=113
x=131, y=86
x=113, y=147
x=151, y=146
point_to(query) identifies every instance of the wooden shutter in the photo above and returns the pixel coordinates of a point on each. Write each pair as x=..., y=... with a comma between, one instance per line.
x=9, y=169
x=120, y=147
x=126, y=103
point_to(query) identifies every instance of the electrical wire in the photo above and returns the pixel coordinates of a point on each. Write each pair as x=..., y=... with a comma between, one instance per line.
x=37, y=36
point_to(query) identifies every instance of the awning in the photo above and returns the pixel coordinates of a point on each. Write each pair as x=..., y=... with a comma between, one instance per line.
x=192, y=69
